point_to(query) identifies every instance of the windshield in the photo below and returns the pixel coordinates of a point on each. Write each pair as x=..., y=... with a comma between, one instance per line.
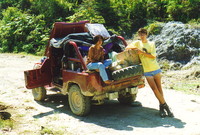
x=97, y=29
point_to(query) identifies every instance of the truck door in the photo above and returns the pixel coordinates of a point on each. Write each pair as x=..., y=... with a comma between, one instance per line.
x=38, y=77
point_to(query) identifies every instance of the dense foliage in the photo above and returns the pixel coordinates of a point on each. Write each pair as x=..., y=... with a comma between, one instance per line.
x=25, y=24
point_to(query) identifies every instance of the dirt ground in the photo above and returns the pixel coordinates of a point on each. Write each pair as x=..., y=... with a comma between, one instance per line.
x=54, y=116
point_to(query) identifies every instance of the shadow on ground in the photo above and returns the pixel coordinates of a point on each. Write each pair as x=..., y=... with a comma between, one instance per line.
x=3, y=114
x=113, y=115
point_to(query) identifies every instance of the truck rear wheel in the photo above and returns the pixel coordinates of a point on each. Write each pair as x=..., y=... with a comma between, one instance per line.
x=79, y=104
x=127, y=98
x=39, y=93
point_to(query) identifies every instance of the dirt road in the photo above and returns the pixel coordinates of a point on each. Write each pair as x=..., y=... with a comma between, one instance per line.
x=54, y=116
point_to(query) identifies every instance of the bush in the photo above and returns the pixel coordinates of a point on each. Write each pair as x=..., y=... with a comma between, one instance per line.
x=87, y=11
x=154, y=28
x=53, y=10
x=183, y=11
x=25, y=27
x=21, y=32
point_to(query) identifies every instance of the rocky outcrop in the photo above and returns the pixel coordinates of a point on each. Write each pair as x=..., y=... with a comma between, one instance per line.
x=177, y=42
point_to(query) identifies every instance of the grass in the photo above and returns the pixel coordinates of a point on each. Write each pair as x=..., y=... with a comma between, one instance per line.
x=5, y=122
x=188, y=86
x=46, y=130
x=182, y=81
x=185, y=79
x=21, y=115
x=55, y=116
x=195, y=23
x=50, y=131
x=28, y=100
x=8, y=124
x=23, y=54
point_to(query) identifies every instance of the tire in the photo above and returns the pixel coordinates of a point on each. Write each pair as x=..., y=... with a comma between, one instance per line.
x=79, y=104
x=127, y=99
x=127, y=72
x=39, y=93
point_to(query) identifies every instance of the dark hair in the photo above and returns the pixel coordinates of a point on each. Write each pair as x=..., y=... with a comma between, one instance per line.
x=142, y=30
x=97, y=38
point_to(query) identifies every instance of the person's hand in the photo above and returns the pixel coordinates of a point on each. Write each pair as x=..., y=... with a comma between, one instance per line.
x=130, y=48
x=139, y=51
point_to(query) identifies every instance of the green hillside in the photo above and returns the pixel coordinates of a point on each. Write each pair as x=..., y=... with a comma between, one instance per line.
x=25, y=24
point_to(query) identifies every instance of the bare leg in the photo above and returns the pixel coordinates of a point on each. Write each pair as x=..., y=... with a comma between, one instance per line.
x=155, y=84
x=157, y=79
x=152, y=83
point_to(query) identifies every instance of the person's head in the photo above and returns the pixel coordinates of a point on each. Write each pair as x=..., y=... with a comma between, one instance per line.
x=97, y=39
x=142, y=33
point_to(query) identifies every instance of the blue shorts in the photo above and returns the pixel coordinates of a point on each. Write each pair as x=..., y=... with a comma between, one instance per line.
x=152, y=73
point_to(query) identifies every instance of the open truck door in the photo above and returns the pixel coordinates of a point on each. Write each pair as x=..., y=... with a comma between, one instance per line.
x=38, y=77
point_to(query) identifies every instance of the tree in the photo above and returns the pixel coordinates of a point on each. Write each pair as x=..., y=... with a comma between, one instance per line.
x=21, y=32
x=53, y=10
x=87, y=11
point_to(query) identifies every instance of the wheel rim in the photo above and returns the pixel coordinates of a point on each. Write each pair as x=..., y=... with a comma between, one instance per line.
x=79, y=104
x=37, y=91
x=76, y=101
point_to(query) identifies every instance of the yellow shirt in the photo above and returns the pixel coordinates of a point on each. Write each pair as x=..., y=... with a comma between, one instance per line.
x=149, y=64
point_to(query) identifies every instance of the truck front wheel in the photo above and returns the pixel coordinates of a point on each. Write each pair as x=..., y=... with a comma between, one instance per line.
x=127, y=98
x=39, y=93
x=79, y=104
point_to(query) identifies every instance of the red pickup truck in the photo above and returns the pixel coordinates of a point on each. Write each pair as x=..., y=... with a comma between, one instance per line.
x=63, y=68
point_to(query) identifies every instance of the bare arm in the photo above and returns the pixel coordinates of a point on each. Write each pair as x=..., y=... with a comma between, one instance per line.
x=142, y=52
x=90, y=55
x=145, y=54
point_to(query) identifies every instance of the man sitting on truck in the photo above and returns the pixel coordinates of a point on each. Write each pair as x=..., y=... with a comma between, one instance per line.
x=95, y=60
